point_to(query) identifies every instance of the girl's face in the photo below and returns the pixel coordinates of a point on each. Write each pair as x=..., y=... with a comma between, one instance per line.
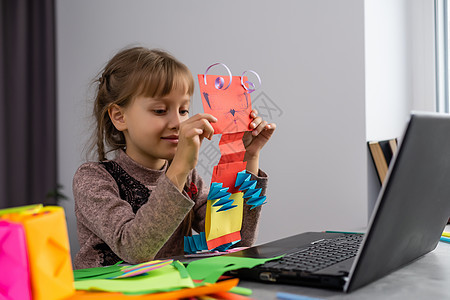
x=152, y=126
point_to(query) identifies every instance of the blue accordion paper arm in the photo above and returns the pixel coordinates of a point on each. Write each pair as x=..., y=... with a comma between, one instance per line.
x=257, y=201
x=251, y=184
x=216, y=191
x=221, y=194
x=252, y=194
x=226, y=207
x=241, y=177
x=224, y=201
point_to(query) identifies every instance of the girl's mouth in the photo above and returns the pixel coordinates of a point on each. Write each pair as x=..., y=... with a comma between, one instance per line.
x=171, y=139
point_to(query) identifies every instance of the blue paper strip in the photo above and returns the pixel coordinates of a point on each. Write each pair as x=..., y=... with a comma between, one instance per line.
x=252, y=193
x=241, y=177
x=224, y=201
x=226, y=207
x=195, y=243
x=187, y=248
x=203, y=240
x=251, y=184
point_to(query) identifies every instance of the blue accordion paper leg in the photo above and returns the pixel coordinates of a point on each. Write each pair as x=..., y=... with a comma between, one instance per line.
x=195, y=243
x=225, y=247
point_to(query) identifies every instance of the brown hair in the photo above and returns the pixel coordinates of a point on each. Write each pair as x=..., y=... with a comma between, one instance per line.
x=130, y=73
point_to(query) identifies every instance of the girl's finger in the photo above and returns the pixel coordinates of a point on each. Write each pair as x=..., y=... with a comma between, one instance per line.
x=254, y=113
x=260, y=128
x=204, y=116
x=206, y=127
x=208, y=131
x=192, y=132
x=255, y=123
x=202, y=122
x=271, y=126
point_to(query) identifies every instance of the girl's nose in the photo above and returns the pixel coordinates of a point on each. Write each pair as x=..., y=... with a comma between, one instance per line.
x=174, y=120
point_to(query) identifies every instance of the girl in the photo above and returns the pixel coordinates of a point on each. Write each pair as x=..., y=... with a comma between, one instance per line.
x=139, y=206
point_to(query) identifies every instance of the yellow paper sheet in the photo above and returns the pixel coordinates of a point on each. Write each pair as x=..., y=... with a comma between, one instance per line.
x=218, y=224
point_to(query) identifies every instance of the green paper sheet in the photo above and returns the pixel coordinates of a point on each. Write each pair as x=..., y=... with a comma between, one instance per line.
x=28, y=209
x=118, y=271
x=161, y=280
x=97, y=273
x=211, y=268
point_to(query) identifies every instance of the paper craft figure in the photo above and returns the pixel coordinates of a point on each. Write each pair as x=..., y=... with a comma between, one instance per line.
x=231, y=107
x=48, y=249
x=15, y=277
x=228, y=99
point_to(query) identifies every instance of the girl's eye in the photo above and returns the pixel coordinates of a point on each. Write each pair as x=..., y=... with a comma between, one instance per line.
x=184, y=112
x=159, y=111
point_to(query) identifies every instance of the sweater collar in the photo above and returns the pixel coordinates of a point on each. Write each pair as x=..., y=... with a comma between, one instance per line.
x=143, y=174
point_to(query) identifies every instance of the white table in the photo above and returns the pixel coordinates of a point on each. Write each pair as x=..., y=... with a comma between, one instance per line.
x=426, y=278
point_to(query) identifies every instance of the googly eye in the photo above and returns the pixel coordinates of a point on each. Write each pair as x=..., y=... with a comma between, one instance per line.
x=220, y=81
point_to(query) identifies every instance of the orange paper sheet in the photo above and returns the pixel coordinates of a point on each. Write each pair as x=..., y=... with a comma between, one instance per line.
x=231, y=147
x=226, y=174
x=231, y=107
x=224, y=239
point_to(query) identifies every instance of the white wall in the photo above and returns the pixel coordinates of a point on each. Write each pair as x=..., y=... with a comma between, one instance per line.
x=400, y=76
x=399, y=38
x=311, y=57
x=388, y=68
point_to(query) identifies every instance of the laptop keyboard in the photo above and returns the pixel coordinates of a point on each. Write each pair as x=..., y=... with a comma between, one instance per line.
x=320, y=255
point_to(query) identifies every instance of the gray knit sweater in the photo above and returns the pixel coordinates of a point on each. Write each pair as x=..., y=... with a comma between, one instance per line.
x=128, y=212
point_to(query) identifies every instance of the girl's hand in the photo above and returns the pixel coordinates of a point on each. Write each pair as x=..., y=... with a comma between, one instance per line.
x=255, y=140
x=190, y=137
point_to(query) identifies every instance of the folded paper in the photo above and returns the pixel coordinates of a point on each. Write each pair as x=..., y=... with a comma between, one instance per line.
x=211, y=268
x=143, y=268
x=226, y=174
x=116, y=271
x=166, y=278
x=225, y=240
x=21, y=210
x=97, y=273
x=14, y=275
x=228, y=99
x=231, y=148
x=200, y=290
x=223, y=222
x=252, y=194
x=195, y=243
x=231, y=107
x=48, y=251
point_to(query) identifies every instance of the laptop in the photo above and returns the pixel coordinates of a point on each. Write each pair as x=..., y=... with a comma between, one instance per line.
x=412, y=209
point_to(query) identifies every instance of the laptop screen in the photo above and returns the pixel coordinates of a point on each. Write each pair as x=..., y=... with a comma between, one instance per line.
x=414, y=202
